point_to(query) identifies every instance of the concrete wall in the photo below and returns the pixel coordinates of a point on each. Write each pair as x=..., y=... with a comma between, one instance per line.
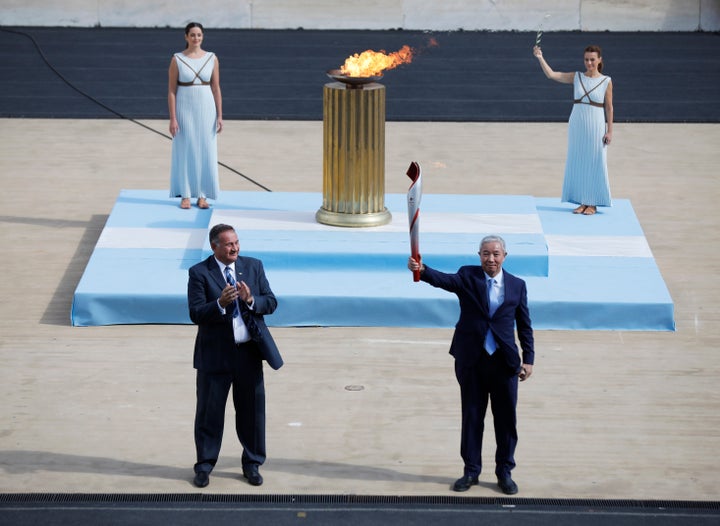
x=496, y=15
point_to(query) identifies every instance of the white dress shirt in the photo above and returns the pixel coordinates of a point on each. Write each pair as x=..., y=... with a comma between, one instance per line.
x=241, y=332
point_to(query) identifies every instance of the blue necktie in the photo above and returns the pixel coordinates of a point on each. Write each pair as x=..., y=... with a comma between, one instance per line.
x=235, y=310
x=247, y=317
x=490, y=345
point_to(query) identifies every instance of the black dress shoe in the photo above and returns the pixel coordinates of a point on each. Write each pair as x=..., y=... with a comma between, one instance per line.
x=202, y=479
x=507, y=485
x=252, y=474
x=464, y=483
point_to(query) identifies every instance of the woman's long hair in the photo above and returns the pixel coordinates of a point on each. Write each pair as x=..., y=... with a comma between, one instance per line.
x=589, y=49
x=190, y=26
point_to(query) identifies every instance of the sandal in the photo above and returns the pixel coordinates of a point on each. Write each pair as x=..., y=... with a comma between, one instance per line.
x=202, y=203
x=580, y=209
x=185, y=203
x=590, y=210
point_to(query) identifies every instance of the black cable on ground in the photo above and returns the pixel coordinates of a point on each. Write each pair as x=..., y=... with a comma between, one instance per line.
x=108, y=108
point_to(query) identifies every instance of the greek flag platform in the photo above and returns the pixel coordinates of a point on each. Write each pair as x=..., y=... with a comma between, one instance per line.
x=582, y=273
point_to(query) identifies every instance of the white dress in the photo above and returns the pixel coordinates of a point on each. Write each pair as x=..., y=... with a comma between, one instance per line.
x=586, y=174
x=194, y=171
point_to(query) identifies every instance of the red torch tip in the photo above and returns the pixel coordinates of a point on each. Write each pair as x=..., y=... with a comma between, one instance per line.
x=413, y=171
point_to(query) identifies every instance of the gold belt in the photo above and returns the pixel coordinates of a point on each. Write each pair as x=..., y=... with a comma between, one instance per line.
x=202, y=83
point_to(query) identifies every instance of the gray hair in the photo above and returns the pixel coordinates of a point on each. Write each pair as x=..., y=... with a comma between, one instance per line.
x=493, y=239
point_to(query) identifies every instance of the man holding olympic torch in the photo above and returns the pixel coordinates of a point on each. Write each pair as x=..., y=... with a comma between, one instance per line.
x=493, y=303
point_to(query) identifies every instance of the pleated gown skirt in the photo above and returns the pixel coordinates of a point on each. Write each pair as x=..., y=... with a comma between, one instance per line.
x=586, y=173
x=194, y=171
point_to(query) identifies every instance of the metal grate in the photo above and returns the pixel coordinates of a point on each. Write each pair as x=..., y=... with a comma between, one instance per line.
x=91, y=498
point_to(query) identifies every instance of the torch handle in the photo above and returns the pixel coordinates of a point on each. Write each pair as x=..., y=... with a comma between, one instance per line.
x=415, y=244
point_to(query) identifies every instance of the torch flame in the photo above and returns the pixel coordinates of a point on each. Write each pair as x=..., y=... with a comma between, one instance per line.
x=371, y=63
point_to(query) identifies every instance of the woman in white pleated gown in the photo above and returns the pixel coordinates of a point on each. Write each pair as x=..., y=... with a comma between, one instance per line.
x=195, y=107
x=589, y=132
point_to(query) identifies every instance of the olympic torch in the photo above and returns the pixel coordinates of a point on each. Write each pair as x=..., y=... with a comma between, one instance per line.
x=414, y=197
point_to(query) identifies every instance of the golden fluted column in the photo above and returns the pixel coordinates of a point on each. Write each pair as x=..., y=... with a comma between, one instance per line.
x=354, y=156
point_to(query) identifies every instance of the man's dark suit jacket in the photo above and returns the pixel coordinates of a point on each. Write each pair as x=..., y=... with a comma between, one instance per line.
x=471, y=289
x=215, y=341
